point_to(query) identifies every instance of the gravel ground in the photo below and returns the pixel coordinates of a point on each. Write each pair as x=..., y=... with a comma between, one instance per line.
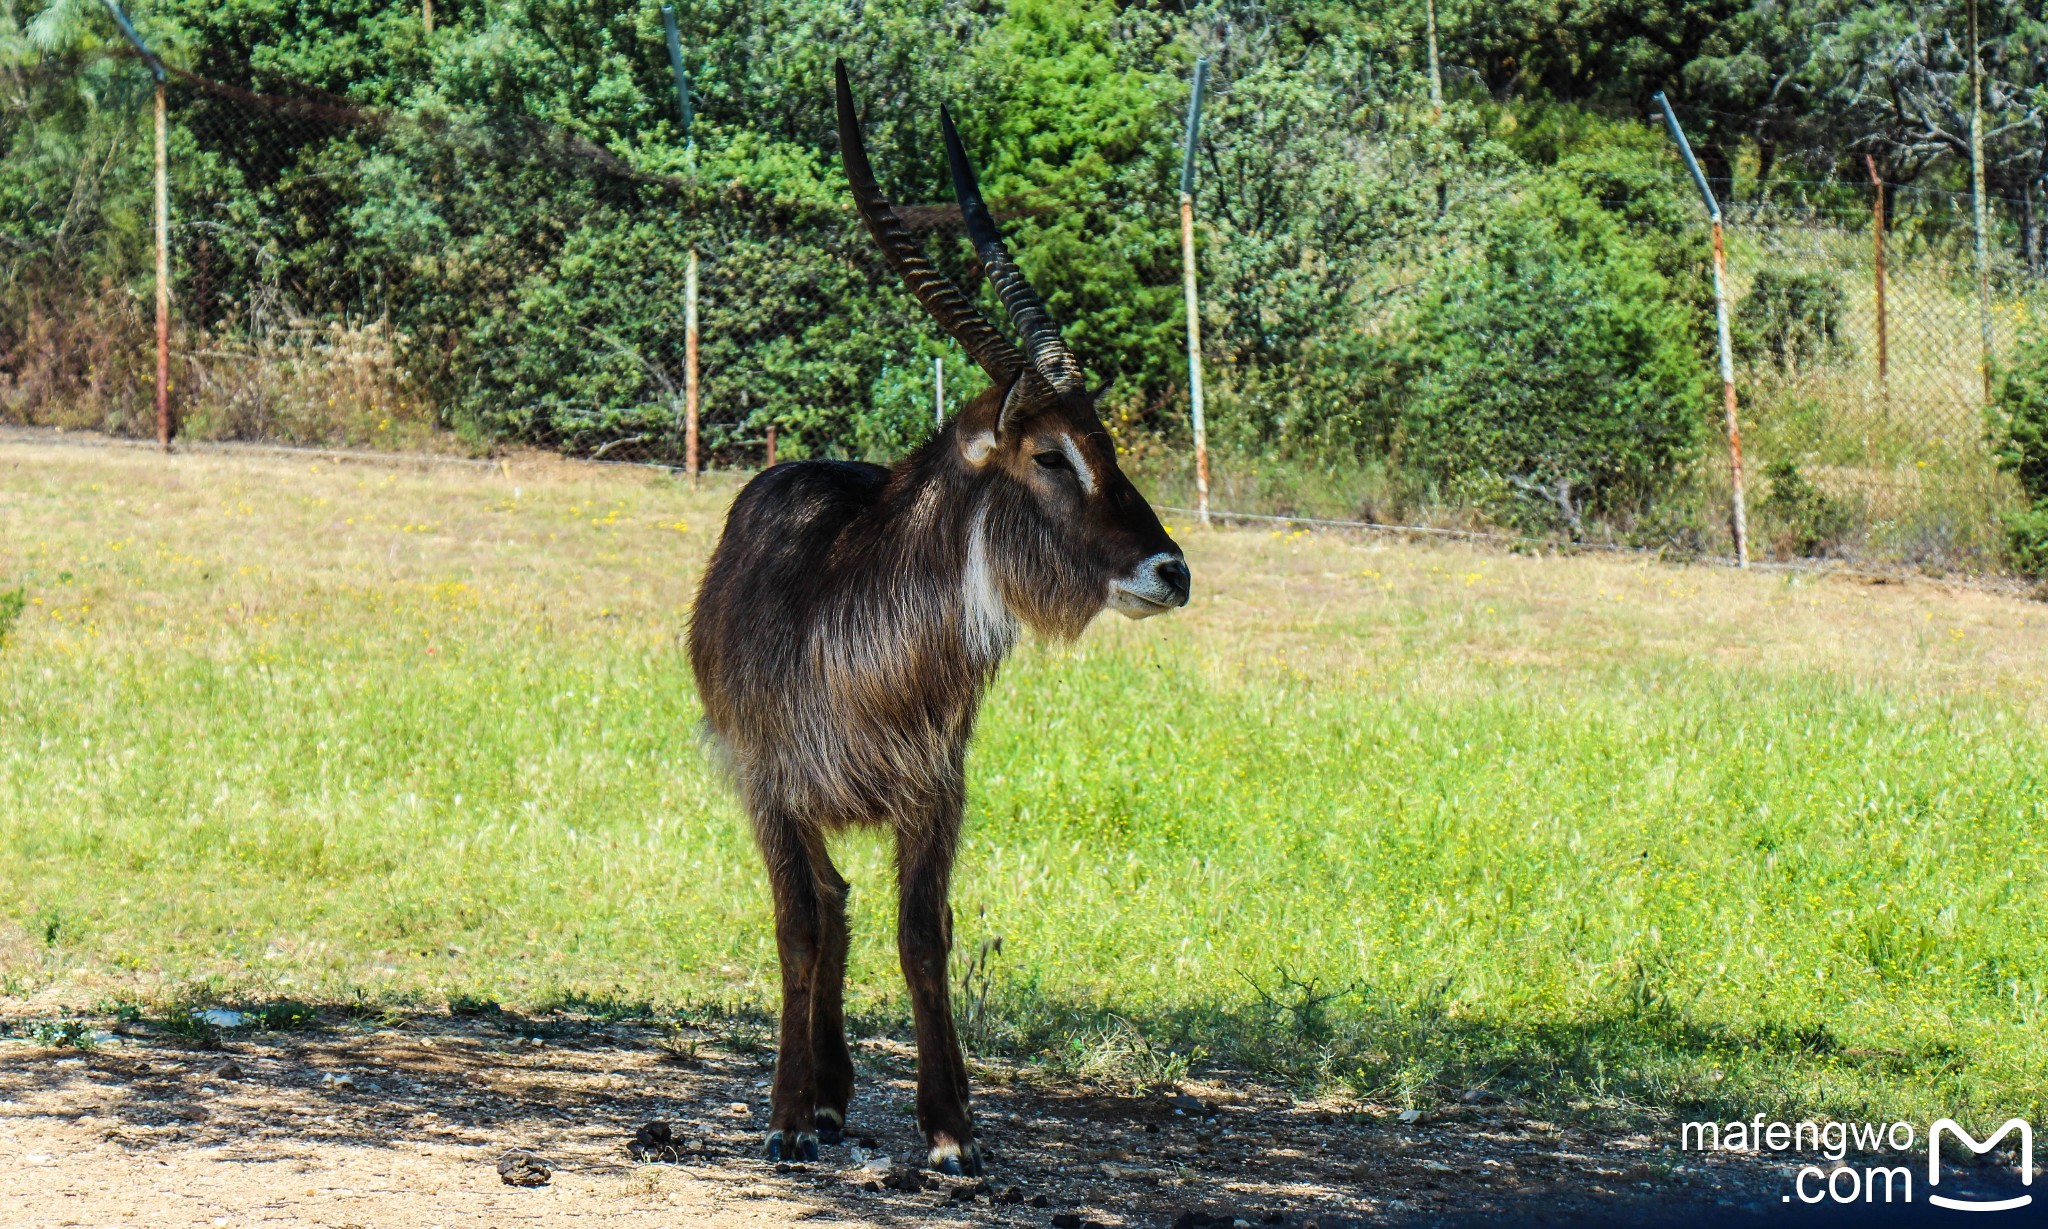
x=405, y=1126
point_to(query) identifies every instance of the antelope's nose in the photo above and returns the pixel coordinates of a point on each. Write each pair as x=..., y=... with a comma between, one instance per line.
x=1172, y=572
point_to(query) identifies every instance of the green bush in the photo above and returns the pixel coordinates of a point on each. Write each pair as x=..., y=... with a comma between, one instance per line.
x=1790, y=318
x=2019, y=443
x=2019, y=417
x=1809, y=521
x=1555, y=367
x=2026, y=540
x=521, y=215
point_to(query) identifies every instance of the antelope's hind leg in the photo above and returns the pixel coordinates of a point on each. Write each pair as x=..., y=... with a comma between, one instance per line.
x=794, y=860
x=924, y=937
x=831, y=1061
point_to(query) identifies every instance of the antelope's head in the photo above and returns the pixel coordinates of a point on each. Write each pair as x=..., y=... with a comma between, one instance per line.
x=1062, y=531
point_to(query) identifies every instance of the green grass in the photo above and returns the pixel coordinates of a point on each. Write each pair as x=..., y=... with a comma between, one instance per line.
x=1396, y=819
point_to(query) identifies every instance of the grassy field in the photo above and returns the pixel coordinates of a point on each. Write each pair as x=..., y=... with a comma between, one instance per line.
x=1405, y=818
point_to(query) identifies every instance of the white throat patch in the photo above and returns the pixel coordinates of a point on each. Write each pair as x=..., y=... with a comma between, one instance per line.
x=986, y=620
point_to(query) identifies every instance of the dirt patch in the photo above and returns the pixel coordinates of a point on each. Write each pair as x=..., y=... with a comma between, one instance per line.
x=406, y=1126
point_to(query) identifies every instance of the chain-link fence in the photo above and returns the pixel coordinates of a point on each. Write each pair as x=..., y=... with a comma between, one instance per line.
x=1867, y=359
x=293, y=258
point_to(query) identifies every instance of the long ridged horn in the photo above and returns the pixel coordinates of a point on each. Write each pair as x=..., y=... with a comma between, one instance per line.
x=953, y=310
x=1049, y=353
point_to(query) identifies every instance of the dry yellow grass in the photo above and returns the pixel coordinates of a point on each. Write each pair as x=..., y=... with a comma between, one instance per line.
x=127, y=549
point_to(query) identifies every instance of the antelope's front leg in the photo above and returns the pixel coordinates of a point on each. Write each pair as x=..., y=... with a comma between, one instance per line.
x=792, y=1112
x=924, y=937
x=832, y=1062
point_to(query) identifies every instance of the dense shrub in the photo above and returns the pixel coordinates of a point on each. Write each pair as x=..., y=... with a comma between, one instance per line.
x=2019, y=416
x=2019, y=441
x=1790, y=318
x=1308, y=223
x=2026, y=534
x=512, y=196
x=1553, y=360
x=1497, y=297
x=1807, y=520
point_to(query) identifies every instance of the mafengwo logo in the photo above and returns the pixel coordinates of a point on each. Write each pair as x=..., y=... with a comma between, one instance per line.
x=2026, y=1144
x=1844, y=1182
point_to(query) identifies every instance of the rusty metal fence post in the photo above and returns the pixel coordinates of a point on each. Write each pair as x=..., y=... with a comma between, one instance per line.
x=675, y=64
x=673, y=36
x=1877, y=243
x=1977, y=202
x=162, y=212
x=163, y=267
x=690, y=367
x=1738, y=514
x=1187, y=260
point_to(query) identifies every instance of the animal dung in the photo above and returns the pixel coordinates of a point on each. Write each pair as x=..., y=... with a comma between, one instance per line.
x=904, y=1179
x=522, y=1168
x=655, y=1142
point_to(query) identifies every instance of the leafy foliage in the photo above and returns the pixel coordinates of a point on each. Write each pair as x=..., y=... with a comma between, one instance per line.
x=2027, y=540
x=1554, y=359
x=2019, y=437
x=1790, y=317
x=2019, y=417
x=511, y=202
x=1811, y=522
x=60, y=1034
x=12, y=603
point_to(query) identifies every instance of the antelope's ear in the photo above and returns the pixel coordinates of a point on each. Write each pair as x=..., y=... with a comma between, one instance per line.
x=990, y=419
x=1018, y=405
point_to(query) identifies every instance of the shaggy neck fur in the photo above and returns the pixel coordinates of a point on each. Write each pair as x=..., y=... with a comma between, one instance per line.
x=852, y=617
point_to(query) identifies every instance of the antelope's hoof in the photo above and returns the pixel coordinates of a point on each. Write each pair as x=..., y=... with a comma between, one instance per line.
x=791, y=1146
x=957, y=1160
x=831, y=1127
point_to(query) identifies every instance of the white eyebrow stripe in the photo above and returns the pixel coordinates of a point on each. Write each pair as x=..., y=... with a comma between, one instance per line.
x=1080, y=464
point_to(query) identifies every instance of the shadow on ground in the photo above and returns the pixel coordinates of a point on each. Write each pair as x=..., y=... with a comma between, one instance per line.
x=462, y=1089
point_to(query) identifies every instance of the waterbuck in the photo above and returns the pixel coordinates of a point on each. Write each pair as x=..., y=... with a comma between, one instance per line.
x=852, y=616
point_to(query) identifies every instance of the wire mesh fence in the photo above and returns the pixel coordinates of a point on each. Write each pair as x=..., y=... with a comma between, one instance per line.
x=302, y=313
x=1869, y=356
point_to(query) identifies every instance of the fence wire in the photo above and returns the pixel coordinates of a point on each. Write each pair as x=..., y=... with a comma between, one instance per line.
x=1867, y=429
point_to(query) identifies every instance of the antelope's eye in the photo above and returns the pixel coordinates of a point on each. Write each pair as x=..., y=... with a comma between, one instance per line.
x=1053, y=460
